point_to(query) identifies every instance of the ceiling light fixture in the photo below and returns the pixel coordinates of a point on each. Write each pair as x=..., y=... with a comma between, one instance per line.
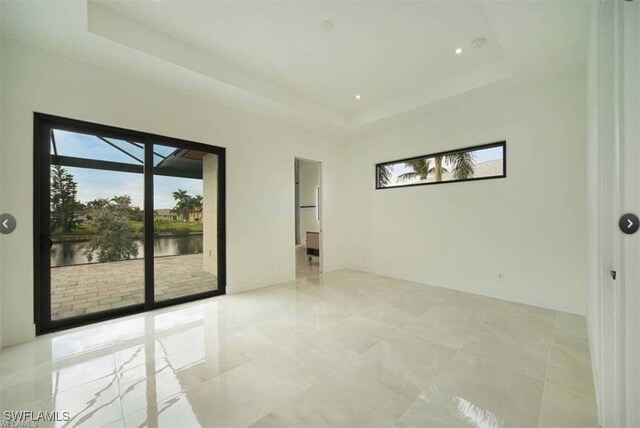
x=358, y=96
x=459, y=51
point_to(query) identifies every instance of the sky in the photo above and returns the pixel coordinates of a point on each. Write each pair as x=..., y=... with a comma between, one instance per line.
x=94, y=183
x=481, y=156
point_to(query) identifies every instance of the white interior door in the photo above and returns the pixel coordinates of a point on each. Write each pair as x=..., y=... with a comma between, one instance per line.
x=617, y=328
x=630, y=202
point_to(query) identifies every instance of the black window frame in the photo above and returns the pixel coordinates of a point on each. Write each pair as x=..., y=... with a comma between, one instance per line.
x=42, y=125
x=502, y=144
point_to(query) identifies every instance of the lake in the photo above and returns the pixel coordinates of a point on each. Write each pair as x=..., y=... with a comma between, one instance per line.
x=71, y=253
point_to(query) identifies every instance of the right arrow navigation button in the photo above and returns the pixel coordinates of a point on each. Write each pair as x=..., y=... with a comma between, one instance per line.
x=629, y=223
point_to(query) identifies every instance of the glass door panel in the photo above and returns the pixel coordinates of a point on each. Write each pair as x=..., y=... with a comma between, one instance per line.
x=96, y=196
x=185, y=196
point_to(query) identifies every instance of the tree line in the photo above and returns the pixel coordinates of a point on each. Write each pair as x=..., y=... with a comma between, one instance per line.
x=111, y=219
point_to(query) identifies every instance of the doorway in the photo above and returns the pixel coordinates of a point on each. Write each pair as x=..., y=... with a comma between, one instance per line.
x=124, y=222
x=308, y=217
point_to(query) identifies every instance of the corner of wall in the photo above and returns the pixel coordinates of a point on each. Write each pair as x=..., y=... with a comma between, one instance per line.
x=255, y=284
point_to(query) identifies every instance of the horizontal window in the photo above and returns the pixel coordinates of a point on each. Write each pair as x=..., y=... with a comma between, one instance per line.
x=471, y=163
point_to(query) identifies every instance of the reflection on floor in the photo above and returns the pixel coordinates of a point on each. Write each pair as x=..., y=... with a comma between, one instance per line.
x=83, y=289
x=304, y=266
x=341, y=349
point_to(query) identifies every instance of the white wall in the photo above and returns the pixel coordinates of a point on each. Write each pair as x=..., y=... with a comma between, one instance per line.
x=309, y=180
x=531, y=226
x=594, y=221
x=260, y=153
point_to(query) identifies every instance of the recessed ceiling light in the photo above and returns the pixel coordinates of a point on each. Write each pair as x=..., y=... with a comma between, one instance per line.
x=459, y=51
x=358, y=96
x=326, y=25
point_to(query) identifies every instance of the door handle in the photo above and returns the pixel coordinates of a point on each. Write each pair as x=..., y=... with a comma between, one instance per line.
x=46, y=243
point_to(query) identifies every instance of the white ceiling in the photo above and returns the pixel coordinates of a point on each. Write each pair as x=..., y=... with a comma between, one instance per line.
x=274, y=59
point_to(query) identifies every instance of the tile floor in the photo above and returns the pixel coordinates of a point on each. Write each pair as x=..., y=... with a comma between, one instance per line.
x=339, y=349
x=306, y=267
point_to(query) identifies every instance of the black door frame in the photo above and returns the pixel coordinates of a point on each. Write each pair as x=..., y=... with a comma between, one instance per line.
x=43, y=124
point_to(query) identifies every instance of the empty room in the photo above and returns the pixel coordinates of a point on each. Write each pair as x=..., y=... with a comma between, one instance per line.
x=319, y=213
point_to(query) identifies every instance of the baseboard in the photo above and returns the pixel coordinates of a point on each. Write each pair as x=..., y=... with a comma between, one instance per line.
x=482, y=290
x=18, y=336
x=261, y=283
x=333, y=268
x=274, y=280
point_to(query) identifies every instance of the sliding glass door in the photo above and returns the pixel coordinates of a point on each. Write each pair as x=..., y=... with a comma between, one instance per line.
x=96, y=224
x=185, y=194
x=124, y=221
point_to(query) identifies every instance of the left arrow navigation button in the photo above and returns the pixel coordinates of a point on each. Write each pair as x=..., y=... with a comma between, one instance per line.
x=7, y=223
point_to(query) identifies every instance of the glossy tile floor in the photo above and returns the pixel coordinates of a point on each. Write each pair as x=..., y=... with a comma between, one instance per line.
x=306, y=267
x=339, y=349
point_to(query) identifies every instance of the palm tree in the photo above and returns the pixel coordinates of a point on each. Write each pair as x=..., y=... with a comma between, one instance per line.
x=97, y=203
x=462, y=163
x=122, y=202
x=182, y=203
x=180, y=195
x=196, y=201
x=438, y=168
x=194, y=205
x=384, y=174
x=421, y=169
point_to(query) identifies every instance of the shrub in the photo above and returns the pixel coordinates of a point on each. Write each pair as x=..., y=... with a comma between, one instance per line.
x=181, y=230
x=112, y=241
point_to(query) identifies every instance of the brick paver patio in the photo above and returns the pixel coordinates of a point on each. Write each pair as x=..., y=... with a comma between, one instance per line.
x=83, y=289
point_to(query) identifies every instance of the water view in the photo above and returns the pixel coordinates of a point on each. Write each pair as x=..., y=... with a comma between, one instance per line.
x=71, y=252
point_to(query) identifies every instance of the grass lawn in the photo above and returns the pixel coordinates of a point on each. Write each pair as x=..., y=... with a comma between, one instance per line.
x=81, y=230
x=174, y=227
